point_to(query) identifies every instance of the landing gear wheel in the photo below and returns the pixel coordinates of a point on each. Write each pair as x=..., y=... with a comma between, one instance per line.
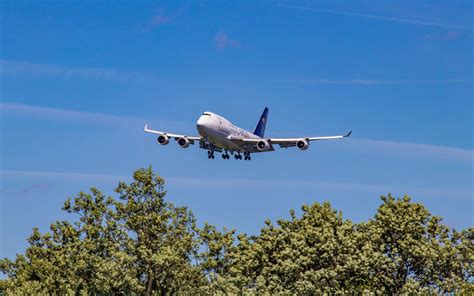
x=210, y=154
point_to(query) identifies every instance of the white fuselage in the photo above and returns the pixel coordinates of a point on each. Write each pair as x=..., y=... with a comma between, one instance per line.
x=217, y=130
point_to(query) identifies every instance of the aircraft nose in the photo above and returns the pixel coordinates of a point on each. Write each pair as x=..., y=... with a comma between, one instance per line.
x=201, y=122
x=201, y=125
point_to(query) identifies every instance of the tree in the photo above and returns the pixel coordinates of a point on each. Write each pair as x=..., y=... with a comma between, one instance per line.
x=214, y=259
x=315, y=254
x=82, y=257
x=163, y=239
x=138, y=243
x=416, y=250
x=135, y=244
x=404, y=249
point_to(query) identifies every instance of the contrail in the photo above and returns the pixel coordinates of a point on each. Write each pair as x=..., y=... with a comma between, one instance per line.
x=385, y=18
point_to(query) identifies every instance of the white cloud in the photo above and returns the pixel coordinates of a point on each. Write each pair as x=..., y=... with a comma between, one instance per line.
x=18, y=68
x=64, y=114
x=242, y=183
x=399, y=149
x=377, y=147
x=61, y=175
x=160, y=19
x=370, y=82
x=340, y=186
x=222, y=40
x=17, y=109
x=413, y=150
x=384, y=18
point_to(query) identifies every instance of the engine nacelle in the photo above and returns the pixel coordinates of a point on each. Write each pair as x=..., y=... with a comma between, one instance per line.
x=263, y=145
x=302, y=144
x=183, y=142
x=163, y=140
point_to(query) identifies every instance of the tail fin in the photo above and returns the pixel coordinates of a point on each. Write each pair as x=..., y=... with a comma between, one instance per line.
x=260, y=128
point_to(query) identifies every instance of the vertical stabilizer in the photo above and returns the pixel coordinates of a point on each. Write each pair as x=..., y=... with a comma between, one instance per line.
x=260, y=128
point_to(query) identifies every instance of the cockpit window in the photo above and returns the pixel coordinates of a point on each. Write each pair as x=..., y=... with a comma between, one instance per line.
x=205, y=113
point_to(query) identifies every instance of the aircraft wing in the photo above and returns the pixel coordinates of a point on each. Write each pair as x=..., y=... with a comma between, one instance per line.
x=288, y=142
x=174, y=136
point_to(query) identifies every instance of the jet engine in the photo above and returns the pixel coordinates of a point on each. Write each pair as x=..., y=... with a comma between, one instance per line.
x=183, y=142
x=263, y=145
x=163, y=140
x=302, y=144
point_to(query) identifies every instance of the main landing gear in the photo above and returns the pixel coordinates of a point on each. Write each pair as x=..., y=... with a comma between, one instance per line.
x=237, y=155
x=225, y=155
x=210, y=154
x=247, y=156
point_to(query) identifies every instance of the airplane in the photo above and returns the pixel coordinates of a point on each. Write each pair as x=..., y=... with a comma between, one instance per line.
x=217, y=134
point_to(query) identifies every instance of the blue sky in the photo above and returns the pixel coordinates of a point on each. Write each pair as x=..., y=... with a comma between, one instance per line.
x=79, y=80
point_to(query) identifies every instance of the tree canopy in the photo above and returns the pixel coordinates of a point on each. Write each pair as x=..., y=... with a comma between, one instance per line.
x=139, y=243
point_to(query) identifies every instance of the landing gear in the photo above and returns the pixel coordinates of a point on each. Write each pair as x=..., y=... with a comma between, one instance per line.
x=225, y=155
x=210, y=154
x=247, y=156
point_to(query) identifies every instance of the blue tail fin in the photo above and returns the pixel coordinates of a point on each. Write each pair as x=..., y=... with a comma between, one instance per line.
x=260, y=128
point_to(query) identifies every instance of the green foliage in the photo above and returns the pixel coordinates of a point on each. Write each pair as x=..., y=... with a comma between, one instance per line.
x=138, y=243
x=163, y=239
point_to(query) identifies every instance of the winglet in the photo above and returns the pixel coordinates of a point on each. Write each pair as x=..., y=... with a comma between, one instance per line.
x=146, y=127
x=348, y=134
